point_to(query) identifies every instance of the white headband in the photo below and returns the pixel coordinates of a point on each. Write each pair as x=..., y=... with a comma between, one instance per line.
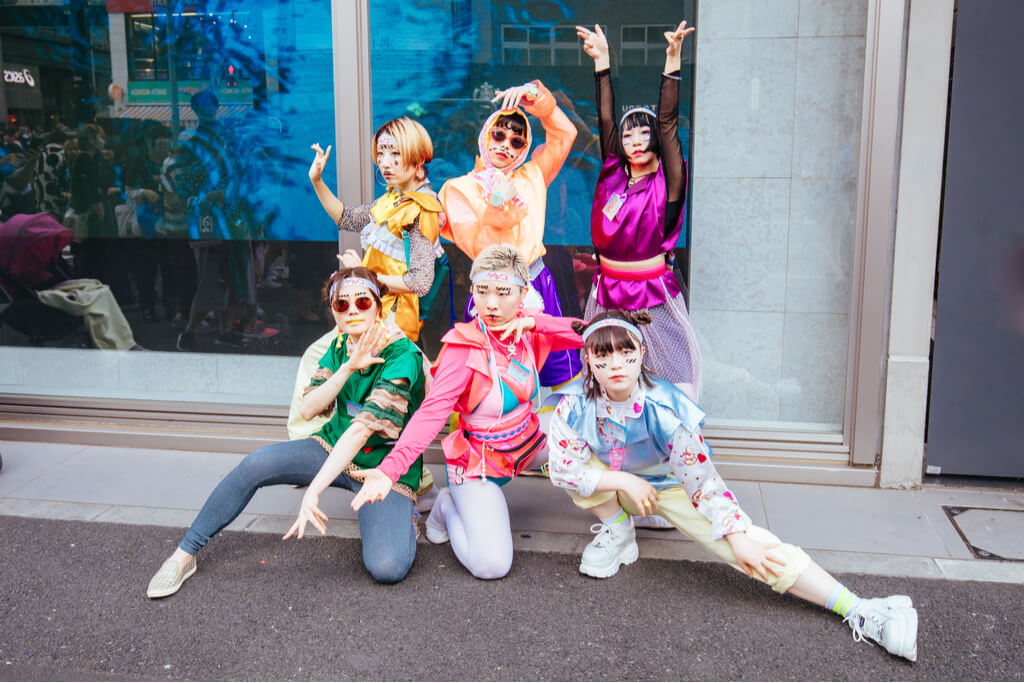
x=354, y=282
x=612, y=322
x=498, y=276
x=646, y=110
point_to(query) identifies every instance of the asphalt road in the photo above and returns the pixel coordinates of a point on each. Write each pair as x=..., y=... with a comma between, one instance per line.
x=73, y=607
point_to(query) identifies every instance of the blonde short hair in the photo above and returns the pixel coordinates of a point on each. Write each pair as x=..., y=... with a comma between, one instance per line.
x=503, y=258
x=412, y=139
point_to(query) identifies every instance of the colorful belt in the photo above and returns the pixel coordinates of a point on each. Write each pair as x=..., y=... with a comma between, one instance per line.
x=500, y=435
x=646, y=269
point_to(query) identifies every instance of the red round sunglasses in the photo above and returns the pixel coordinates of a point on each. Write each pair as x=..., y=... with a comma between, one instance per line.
x=363, y=303
x=516, y=141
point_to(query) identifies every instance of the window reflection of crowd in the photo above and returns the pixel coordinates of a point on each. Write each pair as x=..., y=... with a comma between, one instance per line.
x=175, y=227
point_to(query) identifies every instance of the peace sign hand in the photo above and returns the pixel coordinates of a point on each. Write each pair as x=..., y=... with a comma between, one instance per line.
x=595, y=44
x=675, y=43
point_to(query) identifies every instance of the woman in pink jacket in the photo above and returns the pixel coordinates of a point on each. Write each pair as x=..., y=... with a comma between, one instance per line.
x=487, y=373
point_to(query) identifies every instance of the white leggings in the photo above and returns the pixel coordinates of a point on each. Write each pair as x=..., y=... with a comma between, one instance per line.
x=476, y=516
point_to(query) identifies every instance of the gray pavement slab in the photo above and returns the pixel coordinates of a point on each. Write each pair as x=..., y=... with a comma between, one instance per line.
x=896, y=533
x=999, y=532
x=26, y=462
x=72, y=607
x=132, y=476
x=846, y=518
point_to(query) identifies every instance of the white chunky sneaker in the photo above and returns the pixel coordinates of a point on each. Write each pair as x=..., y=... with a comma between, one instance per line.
x=891, y=622
x=613, y=547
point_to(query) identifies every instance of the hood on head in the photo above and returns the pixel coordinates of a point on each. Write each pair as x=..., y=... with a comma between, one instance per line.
x=485, y=134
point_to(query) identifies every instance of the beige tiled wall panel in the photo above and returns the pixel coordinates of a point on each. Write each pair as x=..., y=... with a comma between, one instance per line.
x=776, y=152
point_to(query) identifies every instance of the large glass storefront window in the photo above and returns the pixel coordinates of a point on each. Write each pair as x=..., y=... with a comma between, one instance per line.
x=166, y=145
x=155, y=157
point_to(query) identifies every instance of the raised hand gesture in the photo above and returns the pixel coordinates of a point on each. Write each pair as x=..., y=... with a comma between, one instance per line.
x=316, y=169
x=362, y=355
x=595, y=44
x=674, y=50
x=515, y=326
x=511, y=97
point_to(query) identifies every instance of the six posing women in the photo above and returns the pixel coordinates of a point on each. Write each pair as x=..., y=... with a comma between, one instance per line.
x=623, y=439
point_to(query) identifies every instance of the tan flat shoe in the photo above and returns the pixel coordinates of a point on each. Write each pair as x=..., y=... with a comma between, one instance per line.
x=169, y=578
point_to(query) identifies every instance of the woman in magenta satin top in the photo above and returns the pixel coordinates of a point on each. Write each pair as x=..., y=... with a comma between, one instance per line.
x=638, y=214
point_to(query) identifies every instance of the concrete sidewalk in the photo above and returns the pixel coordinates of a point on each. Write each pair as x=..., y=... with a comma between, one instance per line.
x=969, y=533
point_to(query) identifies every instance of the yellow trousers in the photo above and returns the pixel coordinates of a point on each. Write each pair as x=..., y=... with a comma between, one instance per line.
x=675, y=506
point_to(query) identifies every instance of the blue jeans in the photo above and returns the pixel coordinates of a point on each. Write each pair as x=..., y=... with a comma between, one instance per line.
x=389, y=538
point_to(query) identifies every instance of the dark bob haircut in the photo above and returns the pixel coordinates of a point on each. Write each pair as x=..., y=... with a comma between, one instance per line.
x=638, y=119
x=609, y=339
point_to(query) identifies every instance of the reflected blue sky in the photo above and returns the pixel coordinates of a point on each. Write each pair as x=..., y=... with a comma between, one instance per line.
x=435, y=60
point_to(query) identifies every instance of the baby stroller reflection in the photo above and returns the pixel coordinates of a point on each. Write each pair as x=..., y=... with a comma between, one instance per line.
x=38, y=300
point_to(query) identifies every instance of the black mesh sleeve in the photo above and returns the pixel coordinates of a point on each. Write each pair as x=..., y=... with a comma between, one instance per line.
x=668, y=135
x=608, y=129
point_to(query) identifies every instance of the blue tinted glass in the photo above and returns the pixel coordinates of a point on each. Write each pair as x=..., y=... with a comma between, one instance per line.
x=441, y=62
x=165, y=147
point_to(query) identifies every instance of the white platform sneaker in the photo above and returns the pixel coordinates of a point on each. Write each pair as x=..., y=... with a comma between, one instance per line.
x=891, y=622
x=613, y=547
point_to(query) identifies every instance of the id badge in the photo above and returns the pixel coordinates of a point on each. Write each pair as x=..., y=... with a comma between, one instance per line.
x=616, y=432
x=518, y=372
x=615, y=459
x=352, y=408
x=615, y=203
